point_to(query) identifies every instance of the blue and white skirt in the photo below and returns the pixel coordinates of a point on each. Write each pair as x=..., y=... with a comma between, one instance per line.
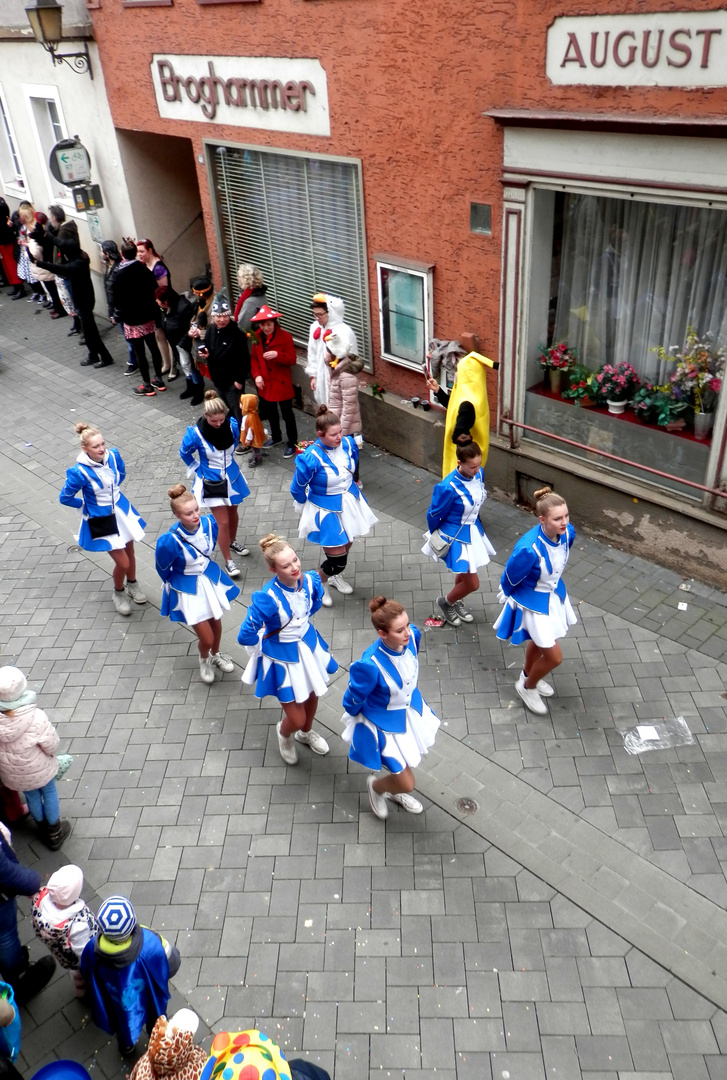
x=210, y=601
x=376, y=749
x=464, y=558
x=333, y=528
x=237, y=490
x=518, y=625
x=130, y=527
x=294, y=680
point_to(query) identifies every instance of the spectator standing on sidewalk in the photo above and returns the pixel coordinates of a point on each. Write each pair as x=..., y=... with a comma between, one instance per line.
x=8, y=247
x=151, y=258
x=111, y=258
x=252, y=295
x=328, y=314
x=273, y=356
x=26, y=979
x=109, y=522
x=133, y=292
x=195, y=591
x=59, y=291
x=176, y=315
x=226, y=353
x=202, y=297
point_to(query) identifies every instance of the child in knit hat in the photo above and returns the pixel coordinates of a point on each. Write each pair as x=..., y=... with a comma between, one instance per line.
x=128, y=968
x=28, y=763
x=64, y=922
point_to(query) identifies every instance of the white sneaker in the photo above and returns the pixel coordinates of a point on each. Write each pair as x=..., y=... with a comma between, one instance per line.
x=544, y=688
x=224, y=663
x=378, y=802
x=338, y=583
x=133, y=591
x=231, y=569
x=316, y=742
x=410, y=804
x=286, y=746
x=464, y=614
x=206, y=671
x=532, y=698
x=326, y=601
x=239, y=549
x=121, y=602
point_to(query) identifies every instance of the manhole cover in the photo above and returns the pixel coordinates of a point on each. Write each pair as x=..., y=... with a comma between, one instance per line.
x=466, y=806
x=74, y=549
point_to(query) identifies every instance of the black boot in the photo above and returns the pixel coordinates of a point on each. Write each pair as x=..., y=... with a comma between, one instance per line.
x=197, y=396
x=56, y=834
x=19, y=292
x=188, y=391
x=29, y=979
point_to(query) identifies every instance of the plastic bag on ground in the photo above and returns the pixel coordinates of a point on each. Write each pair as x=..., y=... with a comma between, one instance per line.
x=658, y=735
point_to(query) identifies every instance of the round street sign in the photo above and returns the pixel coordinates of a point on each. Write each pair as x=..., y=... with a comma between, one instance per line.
x=70, y=162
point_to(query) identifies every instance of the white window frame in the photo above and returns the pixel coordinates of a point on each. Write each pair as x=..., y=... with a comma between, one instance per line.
x=424, y=271
x=11, y=186
x=41, y=92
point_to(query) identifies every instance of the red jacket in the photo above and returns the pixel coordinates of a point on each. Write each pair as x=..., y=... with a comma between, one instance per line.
x=275, y=373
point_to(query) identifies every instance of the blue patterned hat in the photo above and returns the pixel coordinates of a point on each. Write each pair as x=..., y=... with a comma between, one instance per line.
x=116, y=918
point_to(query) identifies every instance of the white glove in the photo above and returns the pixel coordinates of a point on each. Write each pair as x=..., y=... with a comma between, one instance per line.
x=358, y=439
x=298, y=507
x=252, y=650
x=501, y=598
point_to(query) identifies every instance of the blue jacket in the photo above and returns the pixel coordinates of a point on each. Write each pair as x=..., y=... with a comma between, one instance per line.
x=195, y=446
x=368, y=692
x=270, y=610
x=16, y=879
x=84, y=479
x=312, y=469
x=451, y=501
x=529, y=561
x=171, y=566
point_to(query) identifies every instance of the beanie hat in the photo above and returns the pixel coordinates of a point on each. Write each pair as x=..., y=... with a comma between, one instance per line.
x=221, y=304
x=64, y=887
x=116, y=918
x=245, y=1055
x=13, y=683
x=41, y=218
x=201, y=284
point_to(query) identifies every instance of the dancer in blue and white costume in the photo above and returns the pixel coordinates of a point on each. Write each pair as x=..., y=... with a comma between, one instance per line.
x=207, y=450
x=93, y=487
x=195, y=591
x=333, y=510
x=289, y=659
x=388, y=723
x=536, y=605
x=455, y=511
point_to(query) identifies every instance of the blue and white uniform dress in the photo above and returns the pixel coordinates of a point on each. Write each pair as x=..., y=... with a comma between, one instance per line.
x=195, y=588
x=455, y=511
x=334, y=510
x=388, y=722
x=204, y=462
x=536, y=604
x=99, y=486
x=289, y=659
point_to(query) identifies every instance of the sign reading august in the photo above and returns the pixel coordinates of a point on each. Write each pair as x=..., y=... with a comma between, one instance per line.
x=270, y=93
x=660, y=49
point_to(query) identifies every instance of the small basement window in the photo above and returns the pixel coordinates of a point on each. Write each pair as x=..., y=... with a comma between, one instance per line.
x=481, y=218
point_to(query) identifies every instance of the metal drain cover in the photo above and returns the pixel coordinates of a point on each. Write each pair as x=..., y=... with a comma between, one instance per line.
x=74, y=549
x=466, y=806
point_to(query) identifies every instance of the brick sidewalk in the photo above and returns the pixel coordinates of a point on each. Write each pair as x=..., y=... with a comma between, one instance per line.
x=412, y=946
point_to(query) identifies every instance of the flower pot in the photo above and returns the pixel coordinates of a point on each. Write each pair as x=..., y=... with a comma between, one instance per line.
x=554, y=378
x=703, y=422
x=616, y=407
x=586, y=402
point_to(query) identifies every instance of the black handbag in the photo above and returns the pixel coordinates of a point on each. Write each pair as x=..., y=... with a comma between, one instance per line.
x=103, y=526
x=214, y=489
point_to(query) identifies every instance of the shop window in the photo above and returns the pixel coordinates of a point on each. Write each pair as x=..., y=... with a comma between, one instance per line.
x=49, y=127
x=12, y=173
x=405, y=301
x=300, y=220
x=627, y=280
x=481, y=218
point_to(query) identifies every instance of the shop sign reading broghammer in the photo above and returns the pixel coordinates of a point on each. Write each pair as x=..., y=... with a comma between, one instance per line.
x=678, y=48
x=270, y=93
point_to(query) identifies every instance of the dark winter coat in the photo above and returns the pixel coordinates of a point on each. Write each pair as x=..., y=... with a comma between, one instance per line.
x=278, y=385
x=228, y=357
x=112, y=270
x=8, y=232
x=67, y=231
x=133, y=294
x=175, y=322
x=77, y=272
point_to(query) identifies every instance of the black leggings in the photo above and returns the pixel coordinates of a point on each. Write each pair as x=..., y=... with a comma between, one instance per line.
x=96, y=348
x=269, y=412
x=137, y=345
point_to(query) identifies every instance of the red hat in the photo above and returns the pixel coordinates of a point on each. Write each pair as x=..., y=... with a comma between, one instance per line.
x=264, y=313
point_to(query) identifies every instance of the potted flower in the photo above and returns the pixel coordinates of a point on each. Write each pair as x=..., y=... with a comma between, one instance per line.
x=657, y=405
x=697, y=379
x=615, y=384
x=582, y=386
x=554, y=360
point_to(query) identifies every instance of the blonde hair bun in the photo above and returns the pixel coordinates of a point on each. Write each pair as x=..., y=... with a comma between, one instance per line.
x=80, y=427
x=376, y=603
x=210, y=395
x=176, y=491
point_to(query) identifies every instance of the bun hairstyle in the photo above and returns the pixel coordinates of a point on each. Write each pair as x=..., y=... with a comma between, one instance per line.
x=271, y=546
x=326, y=419
x=178, y=496
x=468, y=451
x=213, y=404
x=383, y=612
x=546, y=499
x=85, y=431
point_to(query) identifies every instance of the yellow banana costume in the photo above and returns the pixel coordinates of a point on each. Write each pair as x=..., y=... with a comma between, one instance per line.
x=470, y=384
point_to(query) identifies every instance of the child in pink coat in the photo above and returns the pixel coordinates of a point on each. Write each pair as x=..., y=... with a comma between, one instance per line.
x=28, y=763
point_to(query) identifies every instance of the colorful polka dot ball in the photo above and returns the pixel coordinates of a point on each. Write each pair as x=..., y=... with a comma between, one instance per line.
x=245, y=1055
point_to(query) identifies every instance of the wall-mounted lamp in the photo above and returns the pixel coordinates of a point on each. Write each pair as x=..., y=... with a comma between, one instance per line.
x=45, y=18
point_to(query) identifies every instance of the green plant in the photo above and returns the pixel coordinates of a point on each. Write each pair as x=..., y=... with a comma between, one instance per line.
x=656, y=404
x=377, y=391
x=616, y=382
x=697, y=380
x=582, y=384
x=557, y=356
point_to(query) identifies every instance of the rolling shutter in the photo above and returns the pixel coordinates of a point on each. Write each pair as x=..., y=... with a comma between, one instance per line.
x=300, y=220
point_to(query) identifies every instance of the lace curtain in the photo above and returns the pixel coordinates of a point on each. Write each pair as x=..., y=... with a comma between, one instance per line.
x=630, y=275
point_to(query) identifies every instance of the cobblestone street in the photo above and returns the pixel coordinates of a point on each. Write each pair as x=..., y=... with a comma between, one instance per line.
x=571, y=925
